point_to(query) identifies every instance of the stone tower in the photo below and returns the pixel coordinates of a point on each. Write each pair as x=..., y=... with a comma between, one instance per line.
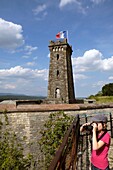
x=60, y=82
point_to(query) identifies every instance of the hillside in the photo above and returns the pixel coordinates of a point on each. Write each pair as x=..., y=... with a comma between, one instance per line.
x=11, y=96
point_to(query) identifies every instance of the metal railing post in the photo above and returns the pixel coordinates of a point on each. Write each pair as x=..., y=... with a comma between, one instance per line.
x=111, y=125
x=87, y=147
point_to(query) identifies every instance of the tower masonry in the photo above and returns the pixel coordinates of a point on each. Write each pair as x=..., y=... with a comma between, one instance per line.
x=60, y=81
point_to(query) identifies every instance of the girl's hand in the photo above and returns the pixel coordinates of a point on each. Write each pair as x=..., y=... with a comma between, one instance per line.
x=82, y=127
x=86, y=124
x=95, y=126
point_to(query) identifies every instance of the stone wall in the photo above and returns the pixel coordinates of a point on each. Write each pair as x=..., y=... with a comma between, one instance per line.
x=28, y=122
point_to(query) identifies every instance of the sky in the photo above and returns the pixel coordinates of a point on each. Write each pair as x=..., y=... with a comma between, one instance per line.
x=27, y=26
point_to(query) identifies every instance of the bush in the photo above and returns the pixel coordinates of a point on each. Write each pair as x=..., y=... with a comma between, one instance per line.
x=11, y=150
x=52, y=135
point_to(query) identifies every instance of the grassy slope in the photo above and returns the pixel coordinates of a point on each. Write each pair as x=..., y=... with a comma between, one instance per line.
x=103, y=99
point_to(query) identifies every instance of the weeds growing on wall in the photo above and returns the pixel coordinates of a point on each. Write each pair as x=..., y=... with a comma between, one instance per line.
x=52, y=135
x=11, y=150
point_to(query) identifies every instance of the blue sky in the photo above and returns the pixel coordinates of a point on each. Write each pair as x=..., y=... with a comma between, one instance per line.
x=27, y=26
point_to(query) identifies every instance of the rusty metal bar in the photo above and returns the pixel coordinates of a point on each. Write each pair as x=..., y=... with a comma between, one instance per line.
x=81, y=152
x=111, y=125
x=75, y=140
x=57, y=163
x=87, y=146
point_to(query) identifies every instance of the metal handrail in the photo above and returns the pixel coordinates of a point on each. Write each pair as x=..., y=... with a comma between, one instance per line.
x=59, y=159
x=80, y=149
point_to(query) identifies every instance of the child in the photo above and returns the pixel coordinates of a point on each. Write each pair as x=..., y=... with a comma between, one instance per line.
x=100, y=142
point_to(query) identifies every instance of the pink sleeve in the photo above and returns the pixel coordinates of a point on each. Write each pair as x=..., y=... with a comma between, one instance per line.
x=106, y=138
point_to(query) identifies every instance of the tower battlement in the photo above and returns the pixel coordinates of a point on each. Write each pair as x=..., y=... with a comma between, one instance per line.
x=58, y=43
x=51, y=42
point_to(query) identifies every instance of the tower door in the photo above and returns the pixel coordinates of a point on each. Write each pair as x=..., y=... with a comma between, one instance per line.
x=57, y=93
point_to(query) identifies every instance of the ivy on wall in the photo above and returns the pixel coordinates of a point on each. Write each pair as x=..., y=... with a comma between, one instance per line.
x=52, y=134
x=11, y=149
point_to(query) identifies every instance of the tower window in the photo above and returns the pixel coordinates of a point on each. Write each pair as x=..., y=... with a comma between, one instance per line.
x=57, y=56
x=57, y=73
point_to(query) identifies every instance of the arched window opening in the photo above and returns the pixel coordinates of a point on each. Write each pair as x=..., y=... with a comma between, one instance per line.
x=57, y=56
x=57, y=73
x=57, y=93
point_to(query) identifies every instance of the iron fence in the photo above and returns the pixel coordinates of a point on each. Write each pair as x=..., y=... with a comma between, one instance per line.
x=66, y=156
x=74, y=152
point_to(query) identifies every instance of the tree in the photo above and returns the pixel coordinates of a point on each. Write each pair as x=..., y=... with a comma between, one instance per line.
x=107, y=89
x=11, y=150
x=99, y=94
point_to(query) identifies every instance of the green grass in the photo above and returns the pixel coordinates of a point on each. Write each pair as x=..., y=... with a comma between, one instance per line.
x=103, y=99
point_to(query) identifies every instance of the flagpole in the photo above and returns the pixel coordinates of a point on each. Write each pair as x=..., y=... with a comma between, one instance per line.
x=67, y=36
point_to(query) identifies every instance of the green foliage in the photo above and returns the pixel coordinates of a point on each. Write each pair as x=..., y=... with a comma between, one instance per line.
x=52, y=134
x=11, y=150
x=91, y=97
x=102, y=99
x=105, y=95
x=99, y=93
x=107, y=90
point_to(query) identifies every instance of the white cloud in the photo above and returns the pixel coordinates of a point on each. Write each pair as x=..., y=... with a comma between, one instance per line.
x=79, y=77
x=65, y=2
x=18, y=71
x=21, y=72
x=23, y=79
x=10, y=35
x=110, y=78
x=29, y=49
x=91, y=60
x=9, y=86
x=39, y=9
x=25, y=56
x=48, y=55
x=98, y=84
x=30, y=63
x=78, y=4
x=97, y=1
x=107, y=64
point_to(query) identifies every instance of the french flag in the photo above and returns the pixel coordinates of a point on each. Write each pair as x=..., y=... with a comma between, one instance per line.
x=61, y=35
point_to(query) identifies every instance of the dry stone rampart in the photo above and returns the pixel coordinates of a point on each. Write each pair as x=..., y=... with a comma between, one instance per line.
x=28, y=120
